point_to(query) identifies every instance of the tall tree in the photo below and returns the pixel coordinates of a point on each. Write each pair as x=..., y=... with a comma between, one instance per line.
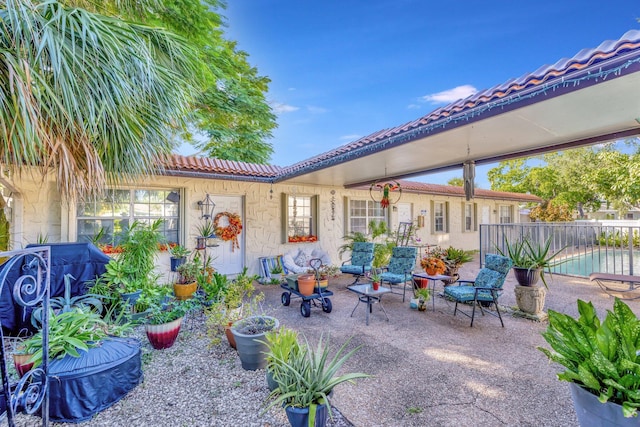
x=231, y=107
x=93, y=98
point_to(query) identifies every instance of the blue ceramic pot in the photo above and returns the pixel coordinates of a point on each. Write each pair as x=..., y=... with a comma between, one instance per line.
x=299, y=417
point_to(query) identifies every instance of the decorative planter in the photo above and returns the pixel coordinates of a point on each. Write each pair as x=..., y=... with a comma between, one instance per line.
x=323, y=284
x=431, y=271
x=591, y=412
x=229, y=335
x=530, y=299
x=164, y=335
x=22, y=364
x=201, y=243
x=247, y=332
x=176, y=262
x=271, y=383
x=526, y=277
x=184, y=291
x=422, y=305
x=453, y=272
x=413, y=303
x=131, y=297
x=421, y=283
x=376, y=285
x=306, y=283
x=299, y=417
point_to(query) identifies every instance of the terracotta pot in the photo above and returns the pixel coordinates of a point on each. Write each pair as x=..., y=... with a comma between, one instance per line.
x=376, y=286
x=184, y=291
x=229, y=334
x=432, y=271
x=164, y=335
x=21, y=363
x=306, y=283
x=422, y=283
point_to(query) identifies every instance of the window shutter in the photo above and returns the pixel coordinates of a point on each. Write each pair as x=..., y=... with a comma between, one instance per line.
x=285, y=216
x=347, y=216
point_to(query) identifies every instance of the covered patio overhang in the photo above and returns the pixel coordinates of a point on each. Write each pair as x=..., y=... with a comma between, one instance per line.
x=591, y=98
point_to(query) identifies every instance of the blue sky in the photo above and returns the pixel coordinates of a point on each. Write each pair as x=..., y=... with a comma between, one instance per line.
x=344, y=69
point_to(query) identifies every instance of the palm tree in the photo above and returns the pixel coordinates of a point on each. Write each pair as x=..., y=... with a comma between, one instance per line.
x=90, y=98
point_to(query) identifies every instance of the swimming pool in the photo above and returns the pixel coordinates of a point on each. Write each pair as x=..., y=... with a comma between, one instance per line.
x=605, y=260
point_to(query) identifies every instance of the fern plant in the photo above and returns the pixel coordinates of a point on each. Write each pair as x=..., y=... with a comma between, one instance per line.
x=602, y=357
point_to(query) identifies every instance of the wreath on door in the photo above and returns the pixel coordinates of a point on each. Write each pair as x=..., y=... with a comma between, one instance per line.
x=231, y=231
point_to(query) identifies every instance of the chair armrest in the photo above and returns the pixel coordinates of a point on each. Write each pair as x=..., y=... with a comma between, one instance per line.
x=460, y=282
x=347, y=261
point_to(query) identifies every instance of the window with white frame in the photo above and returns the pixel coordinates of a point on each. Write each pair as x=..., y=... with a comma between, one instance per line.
x=300, y=218
x=469, y=217
x=506, y=214
x=440, y=217
x=362, y=212
x=117, y=209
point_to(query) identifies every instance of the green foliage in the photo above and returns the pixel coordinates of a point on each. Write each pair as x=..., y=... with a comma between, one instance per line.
x=213, y=285
x=603, y=357
x=422, y=293
x=618, y=238
x=179, y=251
x=282, y=343
x=67, y=303
x=277, y=269
x=173, y=310
x=530, y=254
x=456, y=182
x=307, y=377
x=89, y=97
x=69, y=332
x=188, y=272
x=455, y=257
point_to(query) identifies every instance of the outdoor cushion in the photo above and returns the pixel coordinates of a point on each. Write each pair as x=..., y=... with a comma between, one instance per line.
x=393, y=278
x=489, y=278
x=354, y=269
x=466, y=293
x=297, y=260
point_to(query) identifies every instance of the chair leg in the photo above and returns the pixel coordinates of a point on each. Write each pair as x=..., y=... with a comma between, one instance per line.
x=455, y=310
x=473, y=312
x=495, y=302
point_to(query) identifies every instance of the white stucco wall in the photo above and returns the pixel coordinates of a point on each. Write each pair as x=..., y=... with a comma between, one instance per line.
x=42, y=212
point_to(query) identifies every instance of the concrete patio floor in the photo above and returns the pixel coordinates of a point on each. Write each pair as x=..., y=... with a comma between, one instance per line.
x=431, y=368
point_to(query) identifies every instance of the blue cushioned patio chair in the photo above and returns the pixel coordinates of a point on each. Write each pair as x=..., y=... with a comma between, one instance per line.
x=400, y=269
x=483, y=291
x=360, y=262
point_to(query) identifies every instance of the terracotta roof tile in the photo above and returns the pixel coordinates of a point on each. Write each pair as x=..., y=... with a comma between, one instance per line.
x=204, y=165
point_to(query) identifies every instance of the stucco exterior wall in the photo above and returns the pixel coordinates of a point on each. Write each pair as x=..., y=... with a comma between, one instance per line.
x=44, y=213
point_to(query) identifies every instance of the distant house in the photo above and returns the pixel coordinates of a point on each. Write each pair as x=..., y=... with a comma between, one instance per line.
x=275, y=217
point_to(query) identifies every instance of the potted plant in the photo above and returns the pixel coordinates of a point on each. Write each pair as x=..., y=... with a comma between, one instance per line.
x=531, y=259
x=178, y=254
x=238, y=300
x=375, y=281
x=423, y=295
x=281, y=343
x=276, y=272
x=454, y=258
x=433, y=265
x=164, y=321
x=187, y=282
x=306, y=379
x=247, y=333
x=601, y=362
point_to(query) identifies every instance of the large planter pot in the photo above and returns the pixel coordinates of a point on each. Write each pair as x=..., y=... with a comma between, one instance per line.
x=246, y=333
x=530, y=299
x=453, y=272
x=306, y=283
x=176, y=262
x=271, y=383
x=229, y=335
x=526, y=277
x=299, y=417
x=22, y=364
x=184, y=291
x=164, y=335
x=131, y=297
x=592, y=413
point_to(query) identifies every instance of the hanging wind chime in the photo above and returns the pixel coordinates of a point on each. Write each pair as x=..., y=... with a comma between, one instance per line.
x=382, y=192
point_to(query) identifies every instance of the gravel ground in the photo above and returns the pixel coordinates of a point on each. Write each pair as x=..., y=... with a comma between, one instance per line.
x=429, y=368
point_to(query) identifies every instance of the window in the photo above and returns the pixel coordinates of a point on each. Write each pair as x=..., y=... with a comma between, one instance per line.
x=362, y=212
x=300, y=216
x=469, y=217
x=505, y=214
x=119, y=208
x=440, y=218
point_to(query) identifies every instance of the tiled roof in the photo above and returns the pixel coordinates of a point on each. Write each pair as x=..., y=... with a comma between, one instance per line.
x=450, y=190
x=565, y=72
x=203, y=165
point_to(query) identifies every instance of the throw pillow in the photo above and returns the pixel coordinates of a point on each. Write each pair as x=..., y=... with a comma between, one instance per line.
x=302, y=259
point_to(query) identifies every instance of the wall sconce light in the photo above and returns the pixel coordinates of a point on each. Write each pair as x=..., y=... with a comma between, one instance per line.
x=395, y=208
x=173, y=197
x=206, y=207
x=495, y=211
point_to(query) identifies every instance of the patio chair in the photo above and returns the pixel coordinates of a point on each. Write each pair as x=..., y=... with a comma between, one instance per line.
x=483, y=291
x=360, y=262
x=400, y=269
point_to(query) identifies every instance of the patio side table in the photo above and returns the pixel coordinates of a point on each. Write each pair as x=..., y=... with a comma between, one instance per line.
x=367, y=295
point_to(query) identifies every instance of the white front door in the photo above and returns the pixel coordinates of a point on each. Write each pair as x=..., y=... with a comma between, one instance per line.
x=404, y=212
x=226, y=258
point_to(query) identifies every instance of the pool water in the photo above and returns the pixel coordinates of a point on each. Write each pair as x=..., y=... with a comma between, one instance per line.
x=615, y=261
